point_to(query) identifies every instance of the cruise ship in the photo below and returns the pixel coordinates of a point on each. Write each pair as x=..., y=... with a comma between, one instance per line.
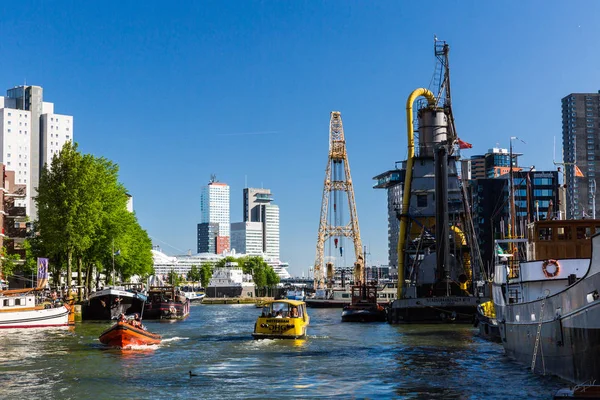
x=181, y=264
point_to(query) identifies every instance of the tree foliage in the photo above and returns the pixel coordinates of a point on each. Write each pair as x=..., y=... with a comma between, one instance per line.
x=206, y=272
x=193, y=274
x=9, y=263
x=262, y=273
x=82, y=217
x=173, y=278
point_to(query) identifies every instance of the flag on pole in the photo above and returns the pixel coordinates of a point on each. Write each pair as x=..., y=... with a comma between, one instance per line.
x=464, y=145
x=118, y=252
x=578, y=172
x=42, y=275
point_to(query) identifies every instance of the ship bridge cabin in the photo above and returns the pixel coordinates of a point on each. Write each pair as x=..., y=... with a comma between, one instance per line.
x=558, y=254
x=561, y=239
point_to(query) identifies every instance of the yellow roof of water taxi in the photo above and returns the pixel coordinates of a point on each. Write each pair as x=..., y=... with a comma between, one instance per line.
x=287, y=301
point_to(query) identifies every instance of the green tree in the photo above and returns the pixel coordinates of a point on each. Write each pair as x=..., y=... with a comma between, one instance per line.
x=30, y=265
x=263, y=275
x=173, y=278
x=9, y=263
x=82, y=216
x=206, y=272
x=272, y=277
x=222, y=262
x=193, y=274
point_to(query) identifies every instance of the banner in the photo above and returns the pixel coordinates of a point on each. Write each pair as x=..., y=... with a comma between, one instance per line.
x=42, y=275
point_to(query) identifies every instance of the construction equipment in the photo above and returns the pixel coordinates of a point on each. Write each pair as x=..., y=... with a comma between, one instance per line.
x=338, y=183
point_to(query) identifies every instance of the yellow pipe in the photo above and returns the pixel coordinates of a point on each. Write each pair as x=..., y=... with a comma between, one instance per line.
x=408, y=178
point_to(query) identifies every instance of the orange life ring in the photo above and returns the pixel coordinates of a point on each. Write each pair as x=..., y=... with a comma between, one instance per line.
x=556, y=268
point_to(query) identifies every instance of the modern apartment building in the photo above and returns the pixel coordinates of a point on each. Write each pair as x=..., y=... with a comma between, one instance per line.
x=494, y=163
x=31, y=135
x=214, y=228
x=247, y=237
x=536, y=198
x=581, y=149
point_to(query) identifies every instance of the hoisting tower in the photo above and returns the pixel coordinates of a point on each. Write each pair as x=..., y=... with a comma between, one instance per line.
x=338, y=183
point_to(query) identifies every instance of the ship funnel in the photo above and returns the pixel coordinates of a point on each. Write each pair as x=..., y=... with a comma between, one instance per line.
x=433, y=129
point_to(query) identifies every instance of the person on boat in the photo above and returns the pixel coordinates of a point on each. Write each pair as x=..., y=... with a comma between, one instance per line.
x=294, y=312
x=122, y=317
x=136, y=322
x=278, y=315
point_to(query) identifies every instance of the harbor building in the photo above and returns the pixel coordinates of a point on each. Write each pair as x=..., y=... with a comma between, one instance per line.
x=214, y=229
x=581, y=152
x=32, y=133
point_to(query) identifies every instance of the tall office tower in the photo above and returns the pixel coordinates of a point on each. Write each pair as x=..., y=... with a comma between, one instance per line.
x=31, y=135
x=254, y=202
x=581, y=148
x=271, y=231
x=214, y=209
x=258, y=207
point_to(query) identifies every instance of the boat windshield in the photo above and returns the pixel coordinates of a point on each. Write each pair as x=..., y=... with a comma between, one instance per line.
x=281, y=310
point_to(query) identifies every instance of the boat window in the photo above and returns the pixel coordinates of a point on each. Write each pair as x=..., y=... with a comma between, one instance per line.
x=17, y=302
x=279, y=309
x=6, y=303
x=564, y=233
x=598, y=229
x=584, y=232
x=545, y=234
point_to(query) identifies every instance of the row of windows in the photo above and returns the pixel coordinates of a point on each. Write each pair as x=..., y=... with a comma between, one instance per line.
x=9, y=131
x=20, y=115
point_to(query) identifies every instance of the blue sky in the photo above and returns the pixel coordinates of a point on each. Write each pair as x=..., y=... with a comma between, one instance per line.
x=243, y=89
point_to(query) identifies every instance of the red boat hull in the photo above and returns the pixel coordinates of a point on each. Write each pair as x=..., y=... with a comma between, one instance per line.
x=123, y=335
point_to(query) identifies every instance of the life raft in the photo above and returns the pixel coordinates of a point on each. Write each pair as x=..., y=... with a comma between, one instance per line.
x=551, y=274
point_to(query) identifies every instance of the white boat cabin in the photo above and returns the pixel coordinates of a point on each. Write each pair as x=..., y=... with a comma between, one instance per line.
x=16, y=302
x=555, y=255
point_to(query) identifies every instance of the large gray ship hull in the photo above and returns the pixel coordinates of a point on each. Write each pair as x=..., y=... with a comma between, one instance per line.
x=569, y=340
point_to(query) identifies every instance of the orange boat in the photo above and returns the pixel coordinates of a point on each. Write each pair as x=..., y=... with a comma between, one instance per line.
x=123, y=334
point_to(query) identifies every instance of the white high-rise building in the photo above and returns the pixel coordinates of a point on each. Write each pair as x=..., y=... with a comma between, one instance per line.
x=31, y=135
x=271, y=231
x=214, y=214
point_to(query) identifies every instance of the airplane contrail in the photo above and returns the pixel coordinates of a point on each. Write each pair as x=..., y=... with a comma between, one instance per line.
x=247, y=133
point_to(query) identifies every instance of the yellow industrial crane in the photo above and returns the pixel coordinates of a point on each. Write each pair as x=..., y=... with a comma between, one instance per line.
x=332, y=225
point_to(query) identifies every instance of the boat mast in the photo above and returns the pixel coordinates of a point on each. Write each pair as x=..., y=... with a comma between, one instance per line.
x=442, y=150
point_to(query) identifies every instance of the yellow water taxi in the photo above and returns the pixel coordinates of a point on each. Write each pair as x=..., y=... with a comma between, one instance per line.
x=282, y=319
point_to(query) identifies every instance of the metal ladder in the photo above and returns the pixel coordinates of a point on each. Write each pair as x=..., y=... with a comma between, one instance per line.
x=538, y=334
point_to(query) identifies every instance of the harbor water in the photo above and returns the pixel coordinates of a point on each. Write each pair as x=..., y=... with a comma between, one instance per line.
x=340, y=360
